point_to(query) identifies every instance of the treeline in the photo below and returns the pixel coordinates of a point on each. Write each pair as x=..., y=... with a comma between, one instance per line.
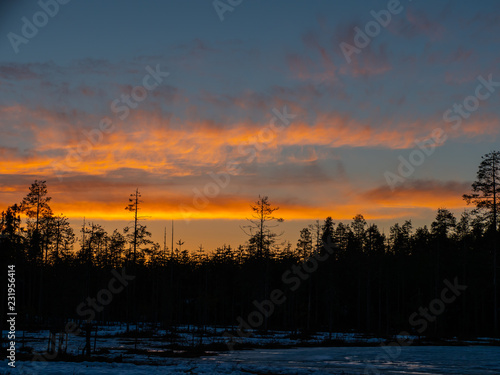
x=337, y=277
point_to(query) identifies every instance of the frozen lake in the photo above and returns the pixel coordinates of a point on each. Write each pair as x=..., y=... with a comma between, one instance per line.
x=339, y=360
x=355, y=360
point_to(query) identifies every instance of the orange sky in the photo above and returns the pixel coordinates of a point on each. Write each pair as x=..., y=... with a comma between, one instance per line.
x=237, y=111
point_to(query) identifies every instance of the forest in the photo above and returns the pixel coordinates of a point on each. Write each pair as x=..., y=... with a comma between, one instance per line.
x=362, y=280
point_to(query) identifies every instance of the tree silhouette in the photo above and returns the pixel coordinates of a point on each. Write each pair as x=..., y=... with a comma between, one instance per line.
x=261, y=237
x=180, y=243
x=304, y=244
x=133, y=206
x=35, y=206
x=367, y=283
x=11, y=239
x=444, y=222
x=62, y=239
x=486, y=188
x=485, y=192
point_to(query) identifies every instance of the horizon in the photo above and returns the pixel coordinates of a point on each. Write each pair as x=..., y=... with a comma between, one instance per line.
x=250, y=186
x=318, y=115
x=221, y=228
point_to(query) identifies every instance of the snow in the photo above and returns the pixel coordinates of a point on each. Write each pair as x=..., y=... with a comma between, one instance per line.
x=154, y=354
x=109, y=337
x=347, y=360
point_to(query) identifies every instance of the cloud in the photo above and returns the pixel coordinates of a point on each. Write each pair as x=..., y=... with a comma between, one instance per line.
x=318, y=64
x=416, y=23
x=160, y=143
x=372, y=60
x=17, y=72
x=189, y=127
x=420, y=193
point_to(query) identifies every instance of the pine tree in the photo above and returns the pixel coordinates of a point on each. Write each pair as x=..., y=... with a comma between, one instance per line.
x=11, y=240
x=485, y=192
x=63, y=238
x=304, y=244
x=36, y=207
x=261, y=237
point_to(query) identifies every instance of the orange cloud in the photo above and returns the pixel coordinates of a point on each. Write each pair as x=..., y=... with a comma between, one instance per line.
x=166, y=158
x=100, y=199
x=158, y=145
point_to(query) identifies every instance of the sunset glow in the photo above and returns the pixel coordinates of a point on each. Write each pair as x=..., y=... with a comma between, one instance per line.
x=174, y=115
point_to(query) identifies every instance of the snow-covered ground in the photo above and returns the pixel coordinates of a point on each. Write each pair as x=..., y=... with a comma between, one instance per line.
x=113, y=339
x=156, y=347
x=419, y=360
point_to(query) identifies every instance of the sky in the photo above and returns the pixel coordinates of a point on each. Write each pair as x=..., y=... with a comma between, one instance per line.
x=379, y=108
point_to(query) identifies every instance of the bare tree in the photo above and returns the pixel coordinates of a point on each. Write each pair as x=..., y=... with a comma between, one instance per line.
x=261, y=237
